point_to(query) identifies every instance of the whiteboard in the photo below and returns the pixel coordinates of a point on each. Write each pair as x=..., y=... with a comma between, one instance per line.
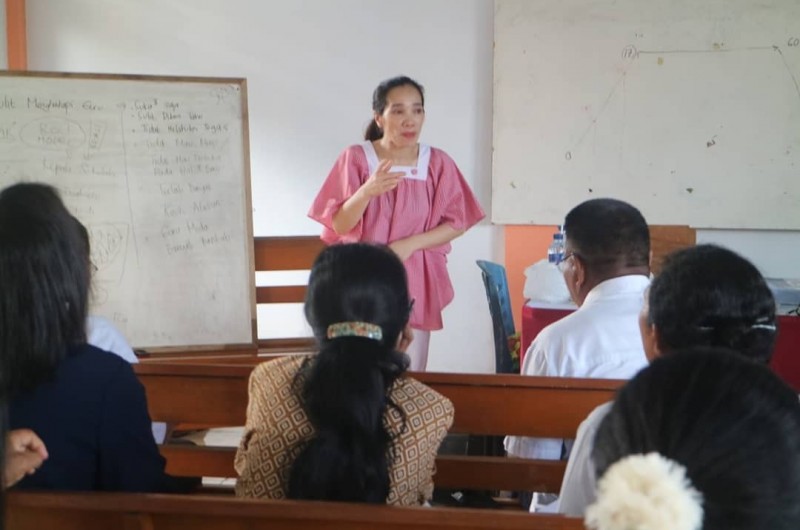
x=157, y=169
x=689, y=110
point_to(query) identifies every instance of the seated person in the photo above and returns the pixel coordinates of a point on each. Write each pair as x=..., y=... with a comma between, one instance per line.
x=101, y=333
x=85, y=404
x=705, y=296
x=699, y=440
x=606, y=268
x=345, y=424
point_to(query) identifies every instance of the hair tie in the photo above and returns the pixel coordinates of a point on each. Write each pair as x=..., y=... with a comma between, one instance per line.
x=355, y=329
x=769, y=327
x=648, y=492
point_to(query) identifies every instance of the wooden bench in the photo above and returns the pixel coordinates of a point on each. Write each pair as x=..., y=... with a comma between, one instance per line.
x=138, y=511
x=484, y=405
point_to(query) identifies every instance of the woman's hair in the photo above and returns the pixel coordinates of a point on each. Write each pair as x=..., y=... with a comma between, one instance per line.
x=710, y=296
x=731, y=423
x=374, y=132
x=345, y=388
x=44, y=284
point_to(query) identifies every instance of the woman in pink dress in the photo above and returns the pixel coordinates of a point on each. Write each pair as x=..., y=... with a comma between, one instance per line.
x=392, y=189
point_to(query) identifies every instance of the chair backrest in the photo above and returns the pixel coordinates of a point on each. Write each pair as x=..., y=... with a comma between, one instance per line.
x=494, y=279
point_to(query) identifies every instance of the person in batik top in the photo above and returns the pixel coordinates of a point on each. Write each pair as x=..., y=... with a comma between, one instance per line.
x=345, y=424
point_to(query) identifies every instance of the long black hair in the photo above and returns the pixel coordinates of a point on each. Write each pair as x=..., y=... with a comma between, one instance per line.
x=345, y=388
x=373, y=131
x=44, y=285
x=710, y=296
x=730, y=422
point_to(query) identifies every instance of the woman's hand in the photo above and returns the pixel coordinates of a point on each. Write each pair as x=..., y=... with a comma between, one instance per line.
x=25, y=452
x=382, y=180
x=403, y=248
x=405, y=339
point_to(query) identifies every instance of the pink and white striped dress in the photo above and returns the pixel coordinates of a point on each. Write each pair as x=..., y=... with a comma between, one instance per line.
x=415, y=206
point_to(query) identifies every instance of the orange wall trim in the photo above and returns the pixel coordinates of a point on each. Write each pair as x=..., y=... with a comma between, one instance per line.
x=16, y=35
x=525, y=245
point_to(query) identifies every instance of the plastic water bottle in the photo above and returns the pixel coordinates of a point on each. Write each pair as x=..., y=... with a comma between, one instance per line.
x=555, y=252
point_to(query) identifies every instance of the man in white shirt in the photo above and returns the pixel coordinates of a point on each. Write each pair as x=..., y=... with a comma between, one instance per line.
x=606, y=268
x=705, y=296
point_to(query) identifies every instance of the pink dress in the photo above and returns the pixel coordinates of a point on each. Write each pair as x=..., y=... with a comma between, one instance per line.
x=415, y=206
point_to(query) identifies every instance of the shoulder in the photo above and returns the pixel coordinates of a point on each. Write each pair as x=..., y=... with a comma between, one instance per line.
x=440, y=159
x=92, y=357
x=94, y=369
x=565, y=328
x=278, y=373
x=281, y=367
x=100, y=332
x=592, y=422
x=354, y=153
x=417, y=399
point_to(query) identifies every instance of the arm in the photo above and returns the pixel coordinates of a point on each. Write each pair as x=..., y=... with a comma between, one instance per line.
x=353, y=208
x=444, y=233
x=578, y=485
x=536, y=364
x=128, y=456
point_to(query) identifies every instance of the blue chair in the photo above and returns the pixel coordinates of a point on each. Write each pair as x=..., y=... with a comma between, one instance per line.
x=494, y=279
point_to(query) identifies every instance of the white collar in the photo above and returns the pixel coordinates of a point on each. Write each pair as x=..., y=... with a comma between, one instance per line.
x=418, y=172
x=628, y=284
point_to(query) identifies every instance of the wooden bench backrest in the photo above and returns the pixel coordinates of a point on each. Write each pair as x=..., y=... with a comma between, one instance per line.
x=484, y=404
x=285, y=254
x=138, y=511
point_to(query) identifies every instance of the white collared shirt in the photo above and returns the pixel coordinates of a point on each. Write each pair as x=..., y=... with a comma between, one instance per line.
x=600, y=340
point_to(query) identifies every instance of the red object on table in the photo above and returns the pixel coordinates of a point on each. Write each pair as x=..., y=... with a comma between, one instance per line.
x=534, y=320
x=785, y=359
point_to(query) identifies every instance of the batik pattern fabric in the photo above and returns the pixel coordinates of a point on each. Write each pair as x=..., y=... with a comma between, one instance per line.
x=278, y=428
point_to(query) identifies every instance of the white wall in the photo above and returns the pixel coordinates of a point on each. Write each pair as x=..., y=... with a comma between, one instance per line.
x=311, y=66
x=776, y=253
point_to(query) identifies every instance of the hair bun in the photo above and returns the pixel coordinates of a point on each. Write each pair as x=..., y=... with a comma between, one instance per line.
x=645, y=492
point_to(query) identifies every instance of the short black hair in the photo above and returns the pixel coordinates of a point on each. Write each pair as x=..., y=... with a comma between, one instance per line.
x=608, y=234
x=44, y=285
x=730, y=422
x=711, y=296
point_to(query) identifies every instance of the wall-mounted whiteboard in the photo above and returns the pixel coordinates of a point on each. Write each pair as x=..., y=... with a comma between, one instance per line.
x=688, y=109
x=157, y=169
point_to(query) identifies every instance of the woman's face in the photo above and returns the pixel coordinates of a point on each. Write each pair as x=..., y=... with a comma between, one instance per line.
x=403, y=116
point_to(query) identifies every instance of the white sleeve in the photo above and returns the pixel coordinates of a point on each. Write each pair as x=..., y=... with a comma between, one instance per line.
x=536, y=360
x=102, y=334
x=578, y=485
x=535, y=364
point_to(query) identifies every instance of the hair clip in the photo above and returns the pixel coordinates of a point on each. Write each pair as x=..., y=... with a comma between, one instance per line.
x=355, y=329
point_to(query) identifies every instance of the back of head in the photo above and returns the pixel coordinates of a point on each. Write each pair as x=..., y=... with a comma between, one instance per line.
x=357, y=304
x=710, y=296
x=609, y=236
x=44, y=278
x=729, y=422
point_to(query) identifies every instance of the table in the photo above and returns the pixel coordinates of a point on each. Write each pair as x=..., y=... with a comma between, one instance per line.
x=785, y=359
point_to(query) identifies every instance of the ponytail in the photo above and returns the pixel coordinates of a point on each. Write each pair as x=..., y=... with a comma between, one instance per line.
x=373, y=132
x=345, y=392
